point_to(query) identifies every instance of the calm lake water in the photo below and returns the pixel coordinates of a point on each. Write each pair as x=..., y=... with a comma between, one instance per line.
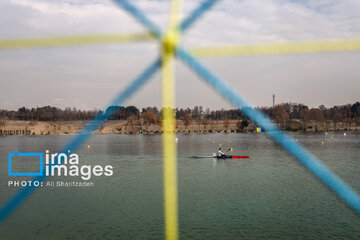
x=269, y=196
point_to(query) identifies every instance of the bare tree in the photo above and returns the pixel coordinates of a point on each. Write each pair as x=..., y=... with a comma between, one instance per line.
x=304, y=116
x=316, y=115
x=149, y=118
x=226, y=123
x=281, y=116
x=187, y=120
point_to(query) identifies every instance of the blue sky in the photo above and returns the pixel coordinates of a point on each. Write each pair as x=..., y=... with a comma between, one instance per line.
x=87, y=77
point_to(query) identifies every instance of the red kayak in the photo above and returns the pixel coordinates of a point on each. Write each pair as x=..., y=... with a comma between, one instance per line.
x=230, y=156
x=239, y=156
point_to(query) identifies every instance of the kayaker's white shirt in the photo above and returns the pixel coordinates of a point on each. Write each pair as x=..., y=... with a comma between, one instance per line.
x=220, y=153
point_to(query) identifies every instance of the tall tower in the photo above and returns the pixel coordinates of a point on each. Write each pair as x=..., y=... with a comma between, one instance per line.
x=273, y=100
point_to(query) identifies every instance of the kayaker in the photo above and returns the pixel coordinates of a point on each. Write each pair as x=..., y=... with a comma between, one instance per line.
x=220, y=153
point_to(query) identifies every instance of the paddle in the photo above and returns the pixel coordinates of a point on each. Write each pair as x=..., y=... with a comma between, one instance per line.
x=230, y=149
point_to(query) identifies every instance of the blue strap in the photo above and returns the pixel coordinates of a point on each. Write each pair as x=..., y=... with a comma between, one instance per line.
x=312, y=163
x=79, y=139
x=197, y=13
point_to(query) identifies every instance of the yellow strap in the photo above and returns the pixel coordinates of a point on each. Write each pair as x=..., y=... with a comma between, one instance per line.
x=169, y=42
x=279, y=48
x=44, y=42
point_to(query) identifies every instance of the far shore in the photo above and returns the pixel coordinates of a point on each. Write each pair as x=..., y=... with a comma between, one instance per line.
x=15, y=127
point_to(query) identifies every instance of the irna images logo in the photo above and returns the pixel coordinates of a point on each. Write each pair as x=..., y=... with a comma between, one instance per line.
x=56, y=164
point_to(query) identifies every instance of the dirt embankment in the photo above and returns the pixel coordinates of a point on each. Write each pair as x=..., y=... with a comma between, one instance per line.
x=10, y=127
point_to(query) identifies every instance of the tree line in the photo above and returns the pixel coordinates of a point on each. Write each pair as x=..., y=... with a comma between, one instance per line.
x=283, y=114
